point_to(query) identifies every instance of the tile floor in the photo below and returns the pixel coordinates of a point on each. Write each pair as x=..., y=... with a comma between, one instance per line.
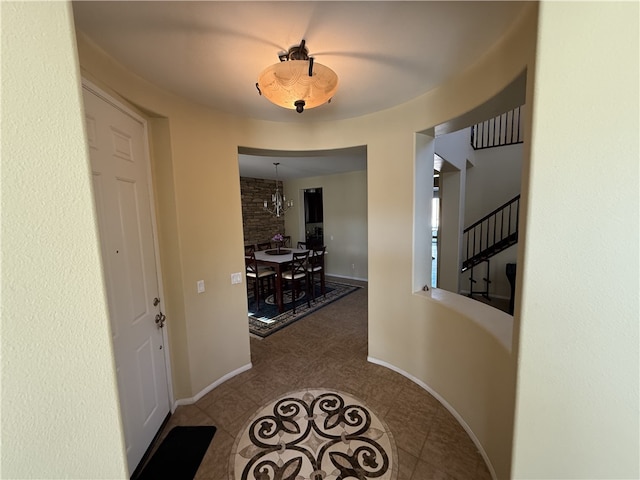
x=329, y=349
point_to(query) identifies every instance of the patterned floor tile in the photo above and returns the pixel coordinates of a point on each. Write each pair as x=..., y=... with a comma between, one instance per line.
x=315, y=434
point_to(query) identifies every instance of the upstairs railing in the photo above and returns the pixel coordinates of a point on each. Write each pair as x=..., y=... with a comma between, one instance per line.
x=491, y=234
x=505, y=129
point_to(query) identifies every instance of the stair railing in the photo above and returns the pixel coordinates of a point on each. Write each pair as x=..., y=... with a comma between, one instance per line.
x=505, y=129
x=491, y=234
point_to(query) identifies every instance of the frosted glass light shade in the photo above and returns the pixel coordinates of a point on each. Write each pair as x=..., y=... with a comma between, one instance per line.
x=287, y=82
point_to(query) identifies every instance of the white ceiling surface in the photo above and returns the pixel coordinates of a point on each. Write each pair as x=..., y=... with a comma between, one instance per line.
x=384, y=52
x=259, y=164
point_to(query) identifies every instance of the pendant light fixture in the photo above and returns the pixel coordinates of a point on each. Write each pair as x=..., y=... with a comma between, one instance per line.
x=297, y=82
x=279, y=204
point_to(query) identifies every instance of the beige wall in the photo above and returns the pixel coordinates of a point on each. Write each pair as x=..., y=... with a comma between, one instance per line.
x=569, y=392
x=403, y=328
x=168, y=241
x=60, y=416
x=195, y=158
x=577, y=406
x=345, y=220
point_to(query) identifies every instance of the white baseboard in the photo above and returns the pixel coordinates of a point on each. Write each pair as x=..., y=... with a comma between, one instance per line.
x=445, y=404
x=204, y=391
x=346, y=277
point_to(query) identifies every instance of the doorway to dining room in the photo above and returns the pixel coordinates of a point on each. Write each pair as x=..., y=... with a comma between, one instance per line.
x=326, y=205
x=326, y=196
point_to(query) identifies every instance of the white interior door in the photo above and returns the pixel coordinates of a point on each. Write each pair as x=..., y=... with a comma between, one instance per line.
x=120, y=167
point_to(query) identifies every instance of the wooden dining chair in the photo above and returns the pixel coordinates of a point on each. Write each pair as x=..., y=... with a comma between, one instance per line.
x=249, y=249
x=258, y=275
x=316, y=267
x=263, y=246
x=297, y=275
x=302, y=245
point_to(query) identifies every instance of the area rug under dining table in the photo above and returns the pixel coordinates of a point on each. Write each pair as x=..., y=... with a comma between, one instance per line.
x=266, y=320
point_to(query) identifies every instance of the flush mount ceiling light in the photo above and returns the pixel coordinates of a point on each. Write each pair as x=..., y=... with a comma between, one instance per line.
x=297, y=82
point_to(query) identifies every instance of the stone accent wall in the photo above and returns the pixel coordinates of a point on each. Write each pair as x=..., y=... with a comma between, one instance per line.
x=258, y=225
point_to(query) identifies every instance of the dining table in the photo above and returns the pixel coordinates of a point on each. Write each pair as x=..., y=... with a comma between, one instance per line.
x=279, y=262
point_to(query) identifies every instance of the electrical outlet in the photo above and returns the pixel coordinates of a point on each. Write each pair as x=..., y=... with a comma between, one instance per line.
x=236, y=278
x=200, y=285
x=353, y=266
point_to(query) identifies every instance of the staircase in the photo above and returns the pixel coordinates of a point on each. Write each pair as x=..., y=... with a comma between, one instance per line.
x=489, y=236
x=505, y=129
x=498, y=230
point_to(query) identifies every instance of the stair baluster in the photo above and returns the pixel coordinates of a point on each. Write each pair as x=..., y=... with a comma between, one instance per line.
x=480, y=245
x=505, y=129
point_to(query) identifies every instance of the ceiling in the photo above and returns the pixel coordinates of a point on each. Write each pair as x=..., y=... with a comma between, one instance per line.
x=260, y=164
x=384, y=53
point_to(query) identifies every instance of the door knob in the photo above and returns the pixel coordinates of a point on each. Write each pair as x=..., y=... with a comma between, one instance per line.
x=160, y=319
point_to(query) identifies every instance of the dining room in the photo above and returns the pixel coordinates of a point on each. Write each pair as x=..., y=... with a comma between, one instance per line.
x=342, y=175
x=323, y=203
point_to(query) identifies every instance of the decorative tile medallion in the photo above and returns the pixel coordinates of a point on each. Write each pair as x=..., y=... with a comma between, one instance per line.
x=314, y=434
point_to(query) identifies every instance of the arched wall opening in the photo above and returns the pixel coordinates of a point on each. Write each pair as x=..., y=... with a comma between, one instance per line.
x=342, y=176
x=470, y=342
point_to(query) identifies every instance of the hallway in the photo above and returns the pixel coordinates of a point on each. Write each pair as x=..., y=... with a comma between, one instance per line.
x=329, y=349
